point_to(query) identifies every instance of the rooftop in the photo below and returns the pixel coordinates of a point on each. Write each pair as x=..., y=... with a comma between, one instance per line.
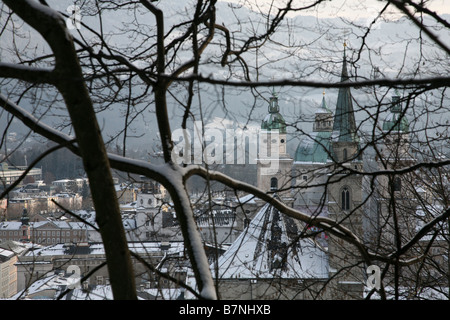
x=269, y=248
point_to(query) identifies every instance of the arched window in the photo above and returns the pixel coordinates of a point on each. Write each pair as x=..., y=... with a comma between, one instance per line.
x=273, y=184
x=345, y=199
x=397, y=184
x=345, y=155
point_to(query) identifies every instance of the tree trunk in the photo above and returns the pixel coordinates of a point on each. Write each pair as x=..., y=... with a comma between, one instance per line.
x=67, y=77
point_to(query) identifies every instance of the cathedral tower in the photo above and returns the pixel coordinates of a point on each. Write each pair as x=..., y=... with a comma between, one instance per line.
x=345, y=196
x=396, y=192
x=311, y=161
x=274, y=165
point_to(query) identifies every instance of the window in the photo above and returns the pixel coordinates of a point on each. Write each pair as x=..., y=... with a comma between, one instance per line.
x=345, y=199
x=273, y=184
x=345, y=155
x=397, y=184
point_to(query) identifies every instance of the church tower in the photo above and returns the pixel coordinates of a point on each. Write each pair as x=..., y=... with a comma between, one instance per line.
x=396, y=192
x=345, y=139
x=345, y=197
x=396, y=135
x=274, y=164
x=25, y=226
x=311, y=161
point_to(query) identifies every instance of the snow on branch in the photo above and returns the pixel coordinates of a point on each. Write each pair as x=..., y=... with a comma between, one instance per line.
x=21, y=72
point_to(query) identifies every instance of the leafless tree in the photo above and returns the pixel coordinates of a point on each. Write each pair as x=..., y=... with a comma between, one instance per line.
x=155, y=62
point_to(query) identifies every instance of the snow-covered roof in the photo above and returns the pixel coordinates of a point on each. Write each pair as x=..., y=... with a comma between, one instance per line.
x=15, y=246
x=99, y=292
x=43, y=288
x=268, y=248
x=60, y=224
x=51, y=286
x=5, y=254
x=249, y=198
x=10, y=225
x=98, y=248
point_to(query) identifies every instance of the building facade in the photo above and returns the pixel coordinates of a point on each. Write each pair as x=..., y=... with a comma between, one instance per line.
x=9, y=174
x=87, y=258
x=277, y=257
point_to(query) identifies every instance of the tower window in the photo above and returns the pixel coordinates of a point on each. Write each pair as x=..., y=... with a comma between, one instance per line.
x=397, y=184
x=273, y=184
x=345, y=199
x=345, y=154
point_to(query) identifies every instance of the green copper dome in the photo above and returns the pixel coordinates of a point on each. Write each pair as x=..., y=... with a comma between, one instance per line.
x=394, y=120
x=314, y=148
x=274, y=120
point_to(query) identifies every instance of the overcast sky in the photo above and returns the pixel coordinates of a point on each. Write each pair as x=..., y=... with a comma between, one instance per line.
x=346, y=8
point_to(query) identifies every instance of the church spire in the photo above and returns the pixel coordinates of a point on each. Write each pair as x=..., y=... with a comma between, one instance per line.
x=344, y=73
x=344, y=126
